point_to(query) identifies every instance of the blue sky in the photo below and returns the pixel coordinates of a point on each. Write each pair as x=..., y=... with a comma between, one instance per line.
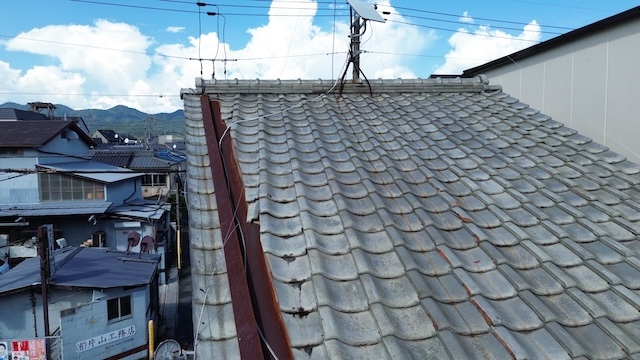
x=102, y=53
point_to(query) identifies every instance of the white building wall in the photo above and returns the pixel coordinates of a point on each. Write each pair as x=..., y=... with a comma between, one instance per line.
x=591, y=85
x=17, y=187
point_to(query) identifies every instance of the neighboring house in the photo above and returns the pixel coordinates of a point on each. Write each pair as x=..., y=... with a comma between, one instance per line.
x=100, y=303
x=48, y=178
x=106, y=136
x=428, y=219
x=161, y=168
x=587, y=78
x=17, y=114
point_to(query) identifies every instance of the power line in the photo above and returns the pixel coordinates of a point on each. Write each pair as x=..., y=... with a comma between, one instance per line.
x=458, y=22
x=457, y=31
x=474, y=17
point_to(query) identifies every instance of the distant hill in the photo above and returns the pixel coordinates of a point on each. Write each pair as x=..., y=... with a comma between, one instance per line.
x=121, y=119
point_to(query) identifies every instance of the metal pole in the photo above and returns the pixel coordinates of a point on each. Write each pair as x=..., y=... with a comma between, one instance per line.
x=178, y=228
x=355, y=45
x=44, y=276
x=152, y=339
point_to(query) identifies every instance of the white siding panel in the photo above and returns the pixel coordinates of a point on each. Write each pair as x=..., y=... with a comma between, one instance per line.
x=589, y=88
x=533, y=76
x=557, y=91
x=623, y=101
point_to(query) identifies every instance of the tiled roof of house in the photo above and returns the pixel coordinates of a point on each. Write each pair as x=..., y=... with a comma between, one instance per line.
x=17, y=114
x=134, y=158
x=430, y=219
x=137, y=158
x=34, y=133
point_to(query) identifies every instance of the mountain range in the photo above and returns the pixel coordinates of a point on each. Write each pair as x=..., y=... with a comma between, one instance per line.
x=121, y=118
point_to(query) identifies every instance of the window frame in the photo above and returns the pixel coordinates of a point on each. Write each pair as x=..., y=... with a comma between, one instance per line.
x=61, y=187
x=120, y=312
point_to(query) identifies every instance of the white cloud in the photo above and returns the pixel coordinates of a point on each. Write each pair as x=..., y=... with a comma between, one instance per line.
x=466, y=18
x=93, y=50
x=484, y=44
x=175, y=29
x=115, y=63
x=295, y=36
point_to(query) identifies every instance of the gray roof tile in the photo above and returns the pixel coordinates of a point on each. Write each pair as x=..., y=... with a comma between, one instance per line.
x=409, y=323
x=491, y=284
x=516, y=256
x=512, y=313
x=462, y=318
x=626, y=334
x=337, y=349
x=533, y=344
x=560, y=308
x=473, y=260
x=344, y=296
x=537, y=280
x=415, y=349
x=352, y=328
x=586, y=341
x=478, y=346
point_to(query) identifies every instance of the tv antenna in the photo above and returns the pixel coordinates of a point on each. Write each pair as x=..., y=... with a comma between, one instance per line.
x=361, y=12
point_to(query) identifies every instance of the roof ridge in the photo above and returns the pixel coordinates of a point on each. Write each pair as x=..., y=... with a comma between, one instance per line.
x=437, y=84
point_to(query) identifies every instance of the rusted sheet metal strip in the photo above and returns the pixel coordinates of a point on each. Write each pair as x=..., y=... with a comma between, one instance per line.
x=246, y=325
x=265, y=303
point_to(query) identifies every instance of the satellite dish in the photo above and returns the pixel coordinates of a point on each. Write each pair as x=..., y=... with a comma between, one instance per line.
x=168, y=350
x=126, y=140
x=147, y=244
x=133, y=240
x=365, y=10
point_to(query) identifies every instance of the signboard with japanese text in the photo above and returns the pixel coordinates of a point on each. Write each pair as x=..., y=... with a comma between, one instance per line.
x=104, y=339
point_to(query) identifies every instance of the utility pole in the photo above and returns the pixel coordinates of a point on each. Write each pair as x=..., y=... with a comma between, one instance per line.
x=43, y=242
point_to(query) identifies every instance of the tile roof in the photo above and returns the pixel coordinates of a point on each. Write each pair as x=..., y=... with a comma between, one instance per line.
x=436, y=218
x=34, y=133
x=17, y=114
x=137, y=158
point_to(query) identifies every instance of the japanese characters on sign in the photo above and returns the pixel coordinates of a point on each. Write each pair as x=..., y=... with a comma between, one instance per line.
x=104, y=339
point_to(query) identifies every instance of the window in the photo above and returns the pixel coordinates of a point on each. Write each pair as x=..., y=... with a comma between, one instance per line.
x=154, y=180
x=57, y=187
x=118, y=308
x=7, y=152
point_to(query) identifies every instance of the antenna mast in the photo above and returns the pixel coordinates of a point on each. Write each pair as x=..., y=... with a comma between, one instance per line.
x=360, y=12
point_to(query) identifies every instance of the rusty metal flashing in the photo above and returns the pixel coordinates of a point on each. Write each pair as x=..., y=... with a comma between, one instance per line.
x=253, y=295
